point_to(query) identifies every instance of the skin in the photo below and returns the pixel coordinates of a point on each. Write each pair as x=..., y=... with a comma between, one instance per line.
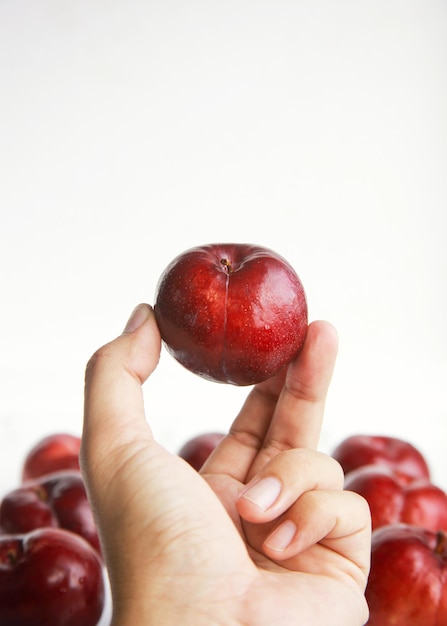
x=203, y=549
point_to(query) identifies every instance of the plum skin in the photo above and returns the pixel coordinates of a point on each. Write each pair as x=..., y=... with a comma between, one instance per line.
x=231, y=313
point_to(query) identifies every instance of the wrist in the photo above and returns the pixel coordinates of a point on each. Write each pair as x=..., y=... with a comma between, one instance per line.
x=170, y=616
x=164, y=608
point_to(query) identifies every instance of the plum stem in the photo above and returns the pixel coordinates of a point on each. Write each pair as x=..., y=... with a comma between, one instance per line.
x=441, y=543
x=41, y=493
x=227, y=265
x=12, y=556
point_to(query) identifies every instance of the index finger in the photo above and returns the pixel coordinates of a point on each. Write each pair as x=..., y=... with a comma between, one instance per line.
x=113, y=407
x=298, y=416
x=283, y=412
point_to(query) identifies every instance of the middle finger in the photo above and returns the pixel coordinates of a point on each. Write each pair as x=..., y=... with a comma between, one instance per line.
x=298, y=415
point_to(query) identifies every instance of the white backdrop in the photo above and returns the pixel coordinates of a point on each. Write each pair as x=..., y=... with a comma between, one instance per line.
x=132, y=130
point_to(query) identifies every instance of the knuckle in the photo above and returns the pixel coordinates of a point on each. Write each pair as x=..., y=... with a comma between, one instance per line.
x=97, y=361
x=337, y=472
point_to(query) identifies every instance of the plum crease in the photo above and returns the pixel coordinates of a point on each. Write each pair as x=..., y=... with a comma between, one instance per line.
x=228, y=271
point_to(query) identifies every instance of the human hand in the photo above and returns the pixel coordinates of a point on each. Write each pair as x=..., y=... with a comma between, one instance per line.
x=205, y=549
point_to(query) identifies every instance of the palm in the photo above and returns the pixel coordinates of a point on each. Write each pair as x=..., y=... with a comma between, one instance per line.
x=253, y=589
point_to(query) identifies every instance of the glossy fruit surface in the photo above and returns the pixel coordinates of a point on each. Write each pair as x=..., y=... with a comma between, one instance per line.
x=393, y=452
x=49, y=577
x=231, y=313
x=54, y=452
x=407, y=585
x=395, y=497
x=56, y=500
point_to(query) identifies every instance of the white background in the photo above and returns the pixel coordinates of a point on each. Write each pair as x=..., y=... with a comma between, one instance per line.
x=132, y=130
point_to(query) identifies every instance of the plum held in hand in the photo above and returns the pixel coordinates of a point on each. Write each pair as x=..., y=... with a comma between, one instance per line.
x=231, y=313
x=50, y=577
x=407, y=585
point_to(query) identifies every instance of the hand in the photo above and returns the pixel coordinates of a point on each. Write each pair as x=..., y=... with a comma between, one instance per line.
x=263, y=535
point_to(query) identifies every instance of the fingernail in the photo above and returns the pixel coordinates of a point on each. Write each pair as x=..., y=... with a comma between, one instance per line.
x=282, y=537
x=138, y=317
x=264, y=492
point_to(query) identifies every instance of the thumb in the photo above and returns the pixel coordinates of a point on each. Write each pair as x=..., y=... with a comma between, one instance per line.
x=153, y=511
x=113, y=403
